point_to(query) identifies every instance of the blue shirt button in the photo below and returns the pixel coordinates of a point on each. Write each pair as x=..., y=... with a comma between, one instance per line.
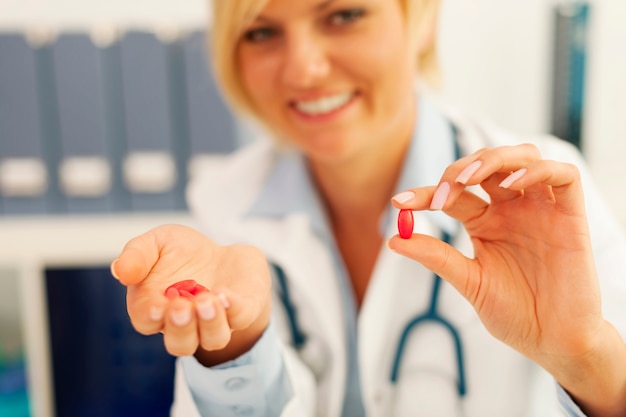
x=243, y=410
x=235, y=383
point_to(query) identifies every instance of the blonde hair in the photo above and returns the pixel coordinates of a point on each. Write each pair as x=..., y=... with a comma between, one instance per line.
x=230, y=17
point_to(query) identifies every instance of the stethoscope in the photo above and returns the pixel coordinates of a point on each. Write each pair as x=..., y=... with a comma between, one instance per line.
x=299, y=339
x=431, y=315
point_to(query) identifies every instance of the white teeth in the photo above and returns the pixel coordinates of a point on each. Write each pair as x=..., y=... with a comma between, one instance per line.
x=323, y=105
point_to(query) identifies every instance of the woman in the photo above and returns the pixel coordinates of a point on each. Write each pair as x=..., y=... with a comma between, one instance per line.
x=333, y=81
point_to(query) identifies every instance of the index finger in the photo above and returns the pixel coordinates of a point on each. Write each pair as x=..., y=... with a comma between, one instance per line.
x=460, y=204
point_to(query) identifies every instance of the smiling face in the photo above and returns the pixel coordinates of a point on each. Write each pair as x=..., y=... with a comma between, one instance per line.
x=333, y=77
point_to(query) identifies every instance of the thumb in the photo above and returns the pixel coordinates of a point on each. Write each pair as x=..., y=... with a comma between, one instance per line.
x=137, y=259
x=439, y=257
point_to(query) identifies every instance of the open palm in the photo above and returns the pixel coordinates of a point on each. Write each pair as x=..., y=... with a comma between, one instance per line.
x=237, y=276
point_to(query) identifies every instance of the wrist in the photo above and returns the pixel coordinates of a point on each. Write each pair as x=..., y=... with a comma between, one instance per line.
x=596, y=380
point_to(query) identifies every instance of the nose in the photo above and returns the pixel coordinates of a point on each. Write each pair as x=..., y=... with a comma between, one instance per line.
x=305, y=61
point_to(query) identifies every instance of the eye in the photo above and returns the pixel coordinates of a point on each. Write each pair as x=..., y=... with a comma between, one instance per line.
x=259, y=34
x=345, y=17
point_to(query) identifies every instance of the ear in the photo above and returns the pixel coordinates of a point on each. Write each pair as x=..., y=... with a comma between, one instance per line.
x=426, y=37
x=428, y=26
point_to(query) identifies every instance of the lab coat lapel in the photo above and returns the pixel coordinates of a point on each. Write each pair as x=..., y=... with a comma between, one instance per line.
x=290, y=243
x=382, y=316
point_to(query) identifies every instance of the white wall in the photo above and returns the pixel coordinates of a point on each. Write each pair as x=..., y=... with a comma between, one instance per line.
x=81, y=14
x=495, y=57
x=495, y=54
x=605, y=131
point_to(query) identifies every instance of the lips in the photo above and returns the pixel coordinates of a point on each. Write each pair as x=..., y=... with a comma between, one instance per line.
x=323, y=105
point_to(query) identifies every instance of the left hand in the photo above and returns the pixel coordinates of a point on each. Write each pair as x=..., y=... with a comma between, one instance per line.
x=532, y=280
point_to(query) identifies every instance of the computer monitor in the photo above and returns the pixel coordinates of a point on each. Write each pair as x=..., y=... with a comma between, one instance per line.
x=101, y=366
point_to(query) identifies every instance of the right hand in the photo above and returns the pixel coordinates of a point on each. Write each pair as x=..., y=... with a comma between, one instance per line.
x=216, y=326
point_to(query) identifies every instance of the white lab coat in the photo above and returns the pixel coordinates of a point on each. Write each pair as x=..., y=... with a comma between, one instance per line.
x=500, y=381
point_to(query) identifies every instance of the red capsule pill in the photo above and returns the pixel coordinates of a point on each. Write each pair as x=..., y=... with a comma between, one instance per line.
x=405, y=223
x=187, y=285
x=186, y=294
x=187, y=288
x=200, y=288
x=172, y=293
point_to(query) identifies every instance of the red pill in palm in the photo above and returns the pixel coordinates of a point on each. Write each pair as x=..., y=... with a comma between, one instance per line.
x=187, y=285
x=188, y=288
x=186, y=294
x=172, y=293
x=200, y=288
x=405, y=223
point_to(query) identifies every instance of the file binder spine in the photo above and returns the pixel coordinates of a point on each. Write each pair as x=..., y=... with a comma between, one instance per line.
x=150, y=167
x=85, y=172
x=179, y=109
x=50, y=127
x=28, y=133
x=213, y=129
x=113, y=98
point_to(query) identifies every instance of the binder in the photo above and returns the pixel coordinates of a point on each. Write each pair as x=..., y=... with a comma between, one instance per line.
x=213, y=128
x=571, y=21
x=86, y=171
x=27, y=130
x=156, y=145
x=113, y=98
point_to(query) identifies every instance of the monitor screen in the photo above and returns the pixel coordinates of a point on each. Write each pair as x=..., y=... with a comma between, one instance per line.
x=101, y=366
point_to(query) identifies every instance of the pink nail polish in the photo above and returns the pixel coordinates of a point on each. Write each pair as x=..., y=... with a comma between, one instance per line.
x=403, y=197
x=181, y=317
x=156, y=313
x=440, y=197
x=112, y=268
x=223, y=300
x=467, y=173
x=508, y=181
x=206, y=310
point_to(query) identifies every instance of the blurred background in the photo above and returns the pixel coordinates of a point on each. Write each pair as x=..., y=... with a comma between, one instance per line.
x=107, y=108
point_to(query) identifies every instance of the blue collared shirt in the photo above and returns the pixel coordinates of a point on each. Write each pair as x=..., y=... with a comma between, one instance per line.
x=243, y=386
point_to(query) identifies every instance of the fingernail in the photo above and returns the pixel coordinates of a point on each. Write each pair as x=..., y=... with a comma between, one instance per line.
x=156, y=313
x=181, y=317
x=508, y=181
x=403, y=197
x=112, y=268
x=467, y=173
x=223, y=300
x=440, y=197
x=206, y=310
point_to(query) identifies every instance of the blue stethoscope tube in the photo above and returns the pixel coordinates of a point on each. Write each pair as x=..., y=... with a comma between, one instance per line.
x=431, y=315
x=298, y=338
